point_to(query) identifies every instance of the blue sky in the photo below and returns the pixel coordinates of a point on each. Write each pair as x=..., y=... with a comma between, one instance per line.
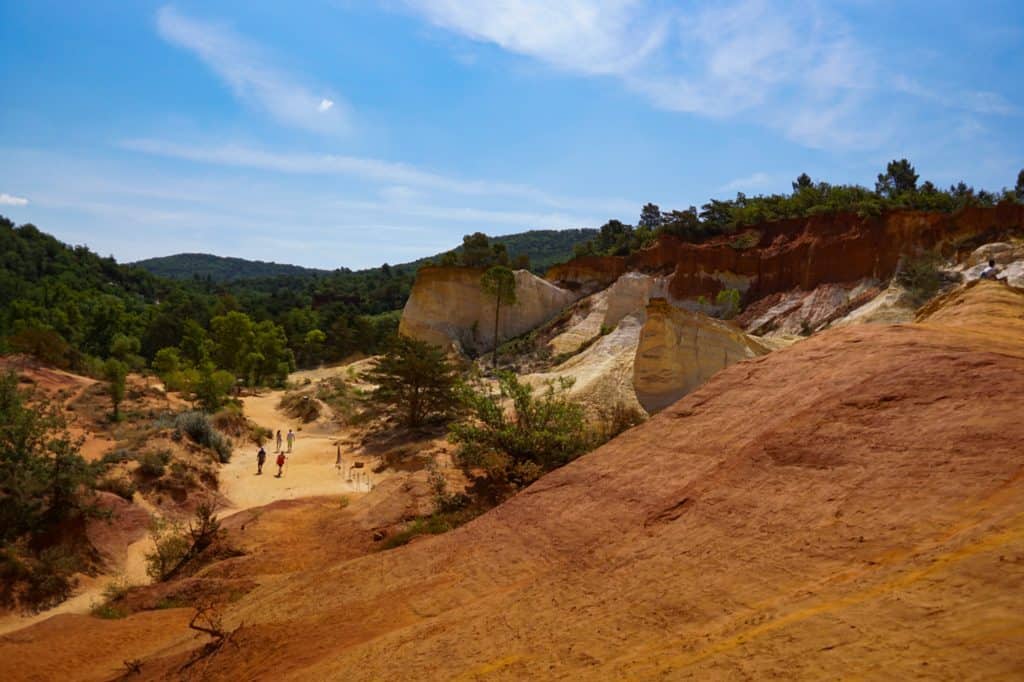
x=347, y=133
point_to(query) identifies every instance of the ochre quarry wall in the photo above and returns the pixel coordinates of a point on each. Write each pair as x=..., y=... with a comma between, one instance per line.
x=447, y=306
x=680, y=350
x=795, y=253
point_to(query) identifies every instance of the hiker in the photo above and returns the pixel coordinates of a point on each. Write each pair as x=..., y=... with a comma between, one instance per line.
x=291, y=440
x=278, y=441
x=991, y=271
x=261, y=457
x=280, y=464
x=337, y=460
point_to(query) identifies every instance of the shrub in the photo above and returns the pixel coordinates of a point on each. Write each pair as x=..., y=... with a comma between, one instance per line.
x=50, y=577
x=920, y=275
x=729, y=302
x=152, y=463
x=301, y=406
x=617, y=419
x=170, y=545
x=197, y=426
x=119, y=485
x=538, y=434
x=174, y=545
x=230, y=420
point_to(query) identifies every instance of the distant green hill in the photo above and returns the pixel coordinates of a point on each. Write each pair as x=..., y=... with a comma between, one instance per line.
x=220, y=268
x=544, y=248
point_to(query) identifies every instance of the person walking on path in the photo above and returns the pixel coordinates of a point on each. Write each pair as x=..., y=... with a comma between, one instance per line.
x=337, y=460
x=280, y=464
x=261, y=457
x=291, y=440
x=278, y=441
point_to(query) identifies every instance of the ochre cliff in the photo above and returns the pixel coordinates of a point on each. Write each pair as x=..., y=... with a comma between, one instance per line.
x=447, y=306
x=796, y=253
x=679, y=350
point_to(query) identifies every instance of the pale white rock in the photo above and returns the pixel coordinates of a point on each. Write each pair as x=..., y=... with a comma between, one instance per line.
x=679, y=350
x=447, y=307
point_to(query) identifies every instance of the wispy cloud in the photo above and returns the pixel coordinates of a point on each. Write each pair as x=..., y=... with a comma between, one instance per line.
x=606, y=37
x=752, y=181
x=376, y=170
x=247, y=71
x=11, y=200
x=796, y=67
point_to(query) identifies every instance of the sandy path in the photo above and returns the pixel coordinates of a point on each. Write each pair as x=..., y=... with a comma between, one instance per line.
x=310, y=470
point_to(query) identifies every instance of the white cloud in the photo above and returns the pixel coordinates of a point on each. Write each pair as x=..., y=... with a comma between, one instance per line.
x=245, y=69
x=11, y=200
x=376, y=170
x=795, y=67
x=607, y=37
x=749, y=182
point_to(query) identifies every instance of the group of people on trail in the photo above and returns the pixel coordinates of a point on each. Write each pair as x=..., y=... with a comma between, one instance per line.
x=261, y=456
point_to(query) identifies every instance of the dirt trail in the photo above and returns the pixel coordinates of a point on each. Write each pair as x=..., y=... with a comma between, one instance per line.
x=310, y=470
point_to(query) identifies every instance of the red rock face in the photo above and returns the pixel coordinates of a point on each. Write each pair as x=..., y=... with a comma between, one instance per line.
x=800, y=252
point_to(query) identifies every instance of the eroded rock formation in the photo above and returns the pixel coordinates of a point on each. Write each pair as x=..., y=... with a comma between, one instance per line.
x=797, y=253
x=447, y=307
x=679, y=350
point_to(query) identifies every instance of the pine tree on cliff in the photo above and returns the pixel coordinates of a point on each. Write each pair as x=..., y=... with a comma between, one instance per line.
x=651, y=217
x=500, y=284
x=899, y=177
x=1019, y=190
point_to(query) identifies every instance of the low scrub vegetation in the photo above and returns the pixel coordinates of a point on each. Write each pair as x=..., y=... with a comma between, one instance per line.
x=45, y=491
x=539, y=433
x=199, y=428
x=301, y=405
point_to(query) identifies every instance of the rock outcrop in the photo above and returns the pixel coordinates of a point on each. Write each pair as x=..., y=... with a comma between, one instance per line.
x=448, y=308
x=604, y=310
x=679, y=350
x=797, y=253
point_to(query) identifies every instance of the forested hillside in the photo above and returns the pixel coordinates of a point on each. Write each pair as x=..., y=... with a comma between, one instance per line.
x=220, y=268
x=72, y=308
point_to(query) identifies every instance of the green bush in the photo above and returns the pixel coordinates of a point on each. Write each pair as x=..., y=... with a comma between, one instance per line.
x=728, y=301
x=152, y=463
x=920, y=275
x=538, y=434
x=197, y=426
x=119, y=485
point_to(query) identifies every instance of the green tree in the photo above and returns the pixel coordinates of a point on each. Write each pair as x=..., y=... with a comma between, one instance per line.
x=499, y=283
x=476, y=250
x=416, y=379
x=210, y=386
x=233, y=337
x=42, y=475
x=650, y=217
x=1019, y=189
x=899, y=178
x=114, y=371
x=195, y=343
x=802, y=182
x=538, y=434
x=167, y=362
